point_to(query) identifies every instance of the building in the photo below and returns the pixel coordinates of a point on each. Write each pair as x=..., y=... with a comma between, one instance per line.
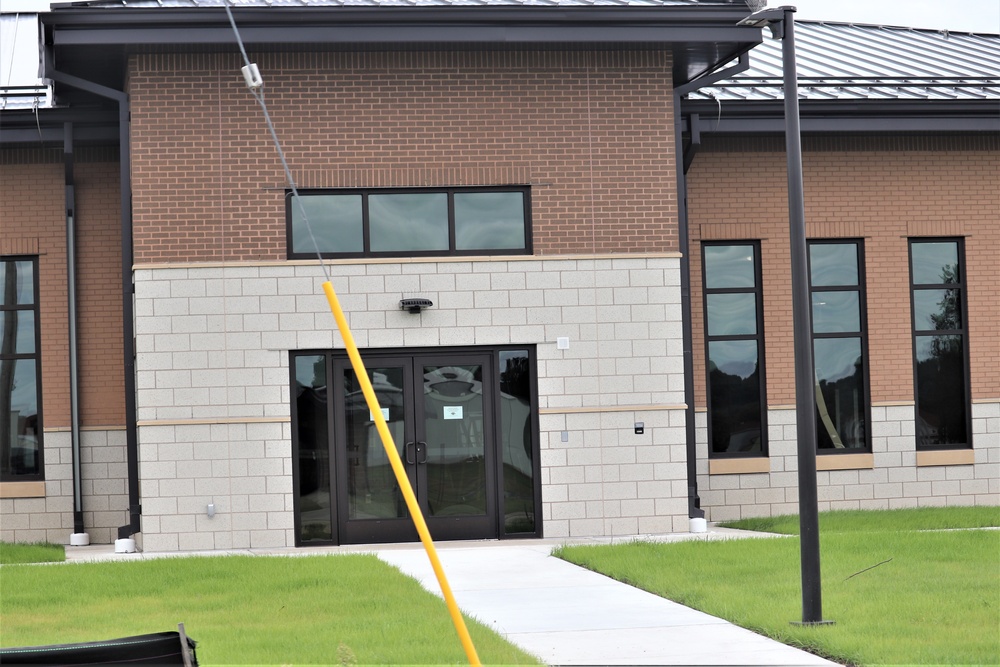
x=573, y=187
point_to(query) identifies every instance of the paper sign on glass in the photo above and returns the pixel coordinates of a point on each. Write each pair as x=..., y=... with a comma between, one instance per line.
x=385, y=415
x=453, y=412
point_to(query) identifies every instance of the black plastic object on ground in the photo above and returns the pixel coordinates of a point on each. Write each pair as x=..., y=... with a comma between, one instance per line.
x=160, y=648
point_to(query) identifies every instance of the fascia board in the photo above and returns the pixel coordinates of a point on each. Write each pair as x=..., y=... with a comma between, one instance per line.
x=882, y=116
x=407, y=25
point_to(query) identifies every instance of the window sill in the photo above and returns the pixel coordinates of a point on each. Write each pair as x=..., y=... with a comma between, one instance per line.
x=22, y=489
x=738, y=466
x=946, y=457
x=845, y=461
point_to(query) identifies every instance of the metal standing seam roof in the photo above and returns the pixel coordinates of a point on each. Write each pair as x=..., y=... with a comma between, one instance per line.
x=241, y=4
x=841, y=61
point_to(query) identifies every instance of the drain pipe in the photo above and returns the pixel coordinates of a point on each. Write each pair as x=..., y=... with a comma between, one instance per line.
x=79, y=536
x=696, y=515
x=124, y=542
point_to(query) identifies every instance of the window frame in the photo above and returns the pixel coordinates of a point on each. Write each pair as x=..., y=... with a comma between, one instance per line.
x=34, y=307
x=451, y=251
x=963, y=332
x=758, y=291
x=862, y=333
x=372, y=356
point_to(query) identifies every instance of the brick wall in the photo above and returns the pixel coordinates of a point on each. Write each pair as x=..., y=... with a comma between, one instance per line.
x=590, y=132
x=33, y=222
x=881, y=190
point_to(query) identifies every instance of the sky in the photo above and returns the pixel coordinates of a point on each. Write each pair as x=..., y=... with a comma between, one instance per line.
x=955, y=15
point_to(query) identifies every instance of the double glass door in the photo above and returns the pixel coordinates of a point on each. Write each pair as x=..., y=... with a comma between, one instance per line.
x=439, y=411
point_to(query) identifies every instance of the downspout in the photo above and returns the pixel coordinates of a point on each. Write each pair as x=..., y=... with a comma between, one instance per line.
x=684, y=159
x=79, y=536
x=128, y=327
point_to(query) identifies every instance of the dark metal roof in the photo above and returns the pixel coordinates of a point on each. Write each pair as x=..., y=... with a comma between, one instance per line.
x=837, y=61
x=188, y=4
x=700, y=33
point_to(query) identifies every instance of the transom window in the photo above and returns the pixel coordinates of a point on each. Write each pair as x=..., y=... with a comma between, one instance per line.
x=734, y=334
x=840, y=349
x=940, y=350
x=20, y=371
x=415, y=221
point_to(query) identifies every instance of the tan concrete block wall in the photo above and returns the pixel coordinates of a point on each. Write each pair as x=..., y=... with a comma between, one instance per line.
x=104, y=491
x=590, y=132
x=213, y=382
x=893, y=481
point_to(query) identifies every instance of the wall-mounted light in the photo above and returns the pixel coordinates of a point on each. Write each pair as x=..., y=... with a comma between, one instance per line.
x=415, y=305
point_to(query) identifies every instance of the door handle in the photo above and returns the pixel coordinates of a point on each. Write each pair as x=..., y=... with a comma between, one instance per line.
x=409, y=451
x=421, y=453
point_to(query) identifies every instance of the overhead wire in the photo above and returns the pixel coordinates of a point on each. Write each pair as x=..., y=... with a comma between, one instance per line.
x=255, y=84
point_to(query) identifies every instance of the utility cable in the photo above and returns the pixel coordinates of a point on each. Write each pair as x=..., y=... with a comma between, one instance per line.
x=254, y=82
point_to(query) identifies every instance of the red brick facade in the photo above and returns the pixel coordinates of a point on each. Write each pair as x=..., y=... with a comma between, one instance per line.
x=32, y=206
x=592, y=133
x=884, y=190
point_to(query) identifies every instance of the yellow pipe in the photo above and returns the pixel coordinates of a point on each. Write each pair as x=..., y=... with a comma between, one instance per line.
x=397, y=468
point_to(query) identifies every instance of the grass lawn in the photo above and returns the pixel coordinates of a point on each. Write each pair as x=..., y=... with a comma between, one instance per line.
x=246, y=610
x=935, y=601
x=38, y=552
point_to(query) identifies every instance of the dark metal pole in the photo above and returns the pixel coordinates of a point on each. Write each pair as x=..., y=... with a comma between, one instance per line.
x=74, y=376
x=805, y=396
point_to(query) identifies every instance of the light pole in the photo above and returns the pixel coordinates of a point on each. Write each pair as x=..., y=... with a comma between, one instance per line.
x=781, y=22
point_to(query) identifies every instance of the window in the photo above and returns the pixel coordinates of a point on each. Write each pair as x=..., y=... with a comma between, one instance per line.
x=940, y=353
x=840, y=347
x=415, y=221
x=734, y=334
x=20, y=371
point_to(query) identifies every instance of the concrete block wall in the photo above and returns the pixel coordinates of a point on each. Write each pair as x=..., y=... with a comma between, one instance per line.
x=49, y=518
x=213, y=381
x=894, y=481
x=607, y=480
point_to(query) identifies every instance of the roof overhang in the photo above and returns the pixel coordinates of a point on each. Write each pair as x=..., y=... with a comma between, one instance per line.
x=700, y=37
x=94, y=42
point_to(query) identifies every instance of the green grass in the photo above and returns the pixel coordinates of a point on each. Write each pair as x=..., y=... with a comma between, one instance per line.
x=246, y=610
x=38, y=552
x=923, y=518
x=935, y=601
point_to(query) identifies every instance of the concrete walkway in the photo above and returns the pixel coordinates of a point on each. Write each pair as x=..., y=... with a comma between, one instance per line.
x=561, y=613
x=567, y=615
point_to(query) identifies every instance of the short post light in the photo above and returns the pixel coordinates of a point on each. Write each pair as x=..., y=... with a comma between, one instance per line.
x=781, y=22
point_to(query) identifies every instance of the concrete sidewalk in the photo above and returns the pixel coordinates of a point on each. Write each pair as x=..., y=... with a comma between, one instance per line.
x=567, y=615
x=561, y=613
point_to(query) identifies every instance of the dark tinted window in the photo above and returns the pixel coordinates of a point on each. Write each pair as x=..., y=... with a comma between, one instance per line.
x=20, y=372
x=940, y=354
x=414, y=221
x=736, y=406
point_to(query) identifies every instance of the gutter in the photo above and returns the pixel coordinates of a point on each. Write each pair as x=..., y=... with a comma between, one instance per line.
x=128, y=326
x=684, y=160
x=79, y=536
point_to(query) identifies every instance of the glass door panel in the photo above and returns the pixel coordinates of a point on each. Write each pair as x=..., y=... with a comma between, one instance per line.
x=371, y=507
x=312, y=494
x=442, y=411
x=456, y=441
x=372, y=491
